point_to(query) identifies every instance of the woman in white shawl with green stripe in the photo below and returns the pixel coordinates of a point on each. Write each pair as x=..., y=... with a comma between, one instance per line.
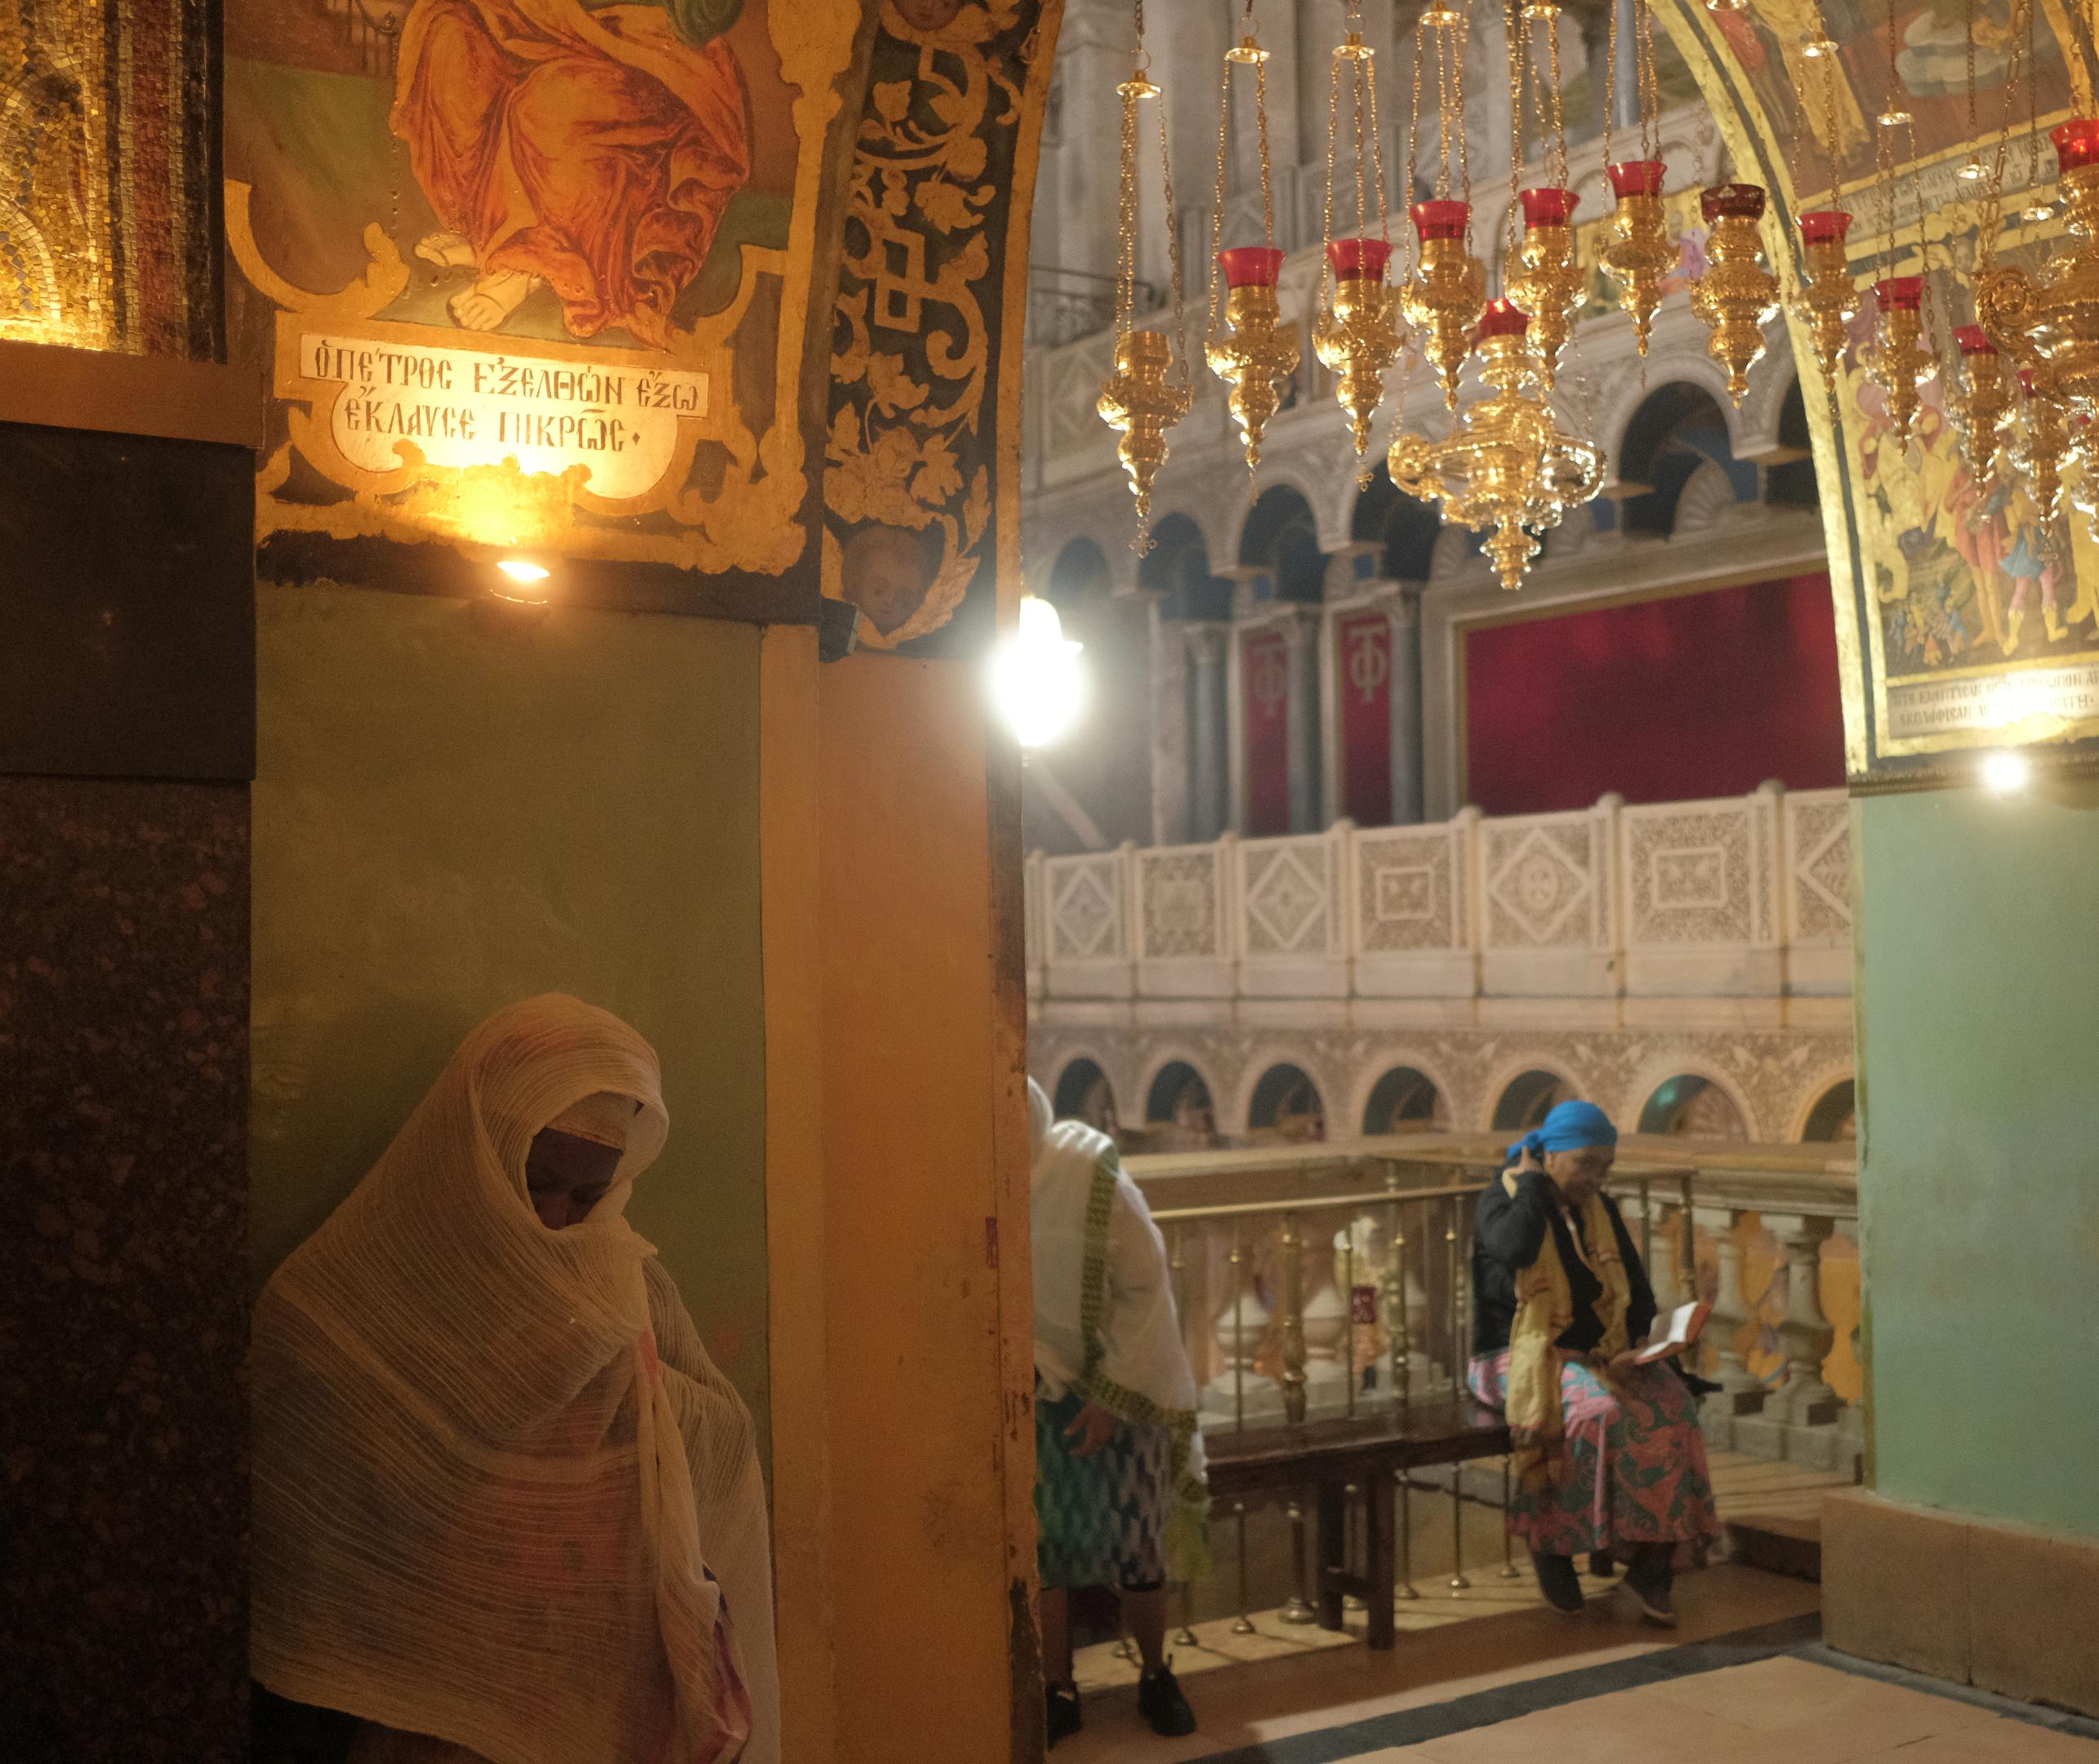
x=1119, y=1487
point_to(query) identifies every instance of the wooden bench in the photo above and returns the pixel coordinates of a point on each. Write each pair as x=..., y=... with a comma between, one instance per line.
x=1368, y=1451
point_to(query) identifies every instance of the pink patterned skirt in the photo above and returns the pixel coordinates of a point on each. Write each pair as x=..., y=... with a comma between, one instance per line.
x=1632, y=1469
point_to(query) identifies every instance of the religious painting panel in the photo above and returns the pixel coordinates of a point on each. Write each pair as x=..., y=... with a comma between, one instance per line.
x=529, y=276
x=934, y=276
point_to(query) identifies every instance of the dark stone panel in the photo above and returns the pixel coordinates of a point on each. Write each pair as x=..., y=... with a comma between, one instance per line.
x=128, y=621
x=123, y=1312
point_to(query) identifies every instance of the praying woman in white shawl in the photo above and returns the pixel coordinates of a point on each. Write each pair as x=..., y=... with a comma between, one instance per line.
x=1119, y=1491
x=505, y=1508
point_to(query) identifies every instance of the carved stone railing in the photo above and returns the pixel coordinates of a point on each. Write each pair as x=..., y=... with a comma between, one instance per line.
x=1736, y=897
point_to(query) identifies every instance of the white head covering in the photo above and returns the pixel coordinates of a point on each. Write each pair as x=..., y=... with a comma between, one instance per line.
x=502, y=1497
x=1041, y=1117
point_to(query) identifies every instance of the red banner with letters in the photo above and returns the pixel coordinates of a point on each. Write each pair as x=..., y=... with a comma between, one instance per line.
x=1265, y=658
x=1362, y=674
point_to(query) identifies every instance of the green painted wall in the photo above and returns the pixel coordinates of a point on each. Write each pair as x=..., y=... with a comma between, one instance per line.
x=453, y=811
x=1979, y=1194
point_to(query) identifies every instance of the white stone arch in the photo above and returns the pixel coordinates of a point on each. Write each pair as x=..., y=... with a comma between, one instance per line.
x=1297, y=474
x=1212, y=517
x=1069, y=1054
x=1262, y=1060
x=1657, y=1071
x=1510, y=1070
x=1386, y=1061
x=1046, y=532
x=1755, y=436
x=1199, y=1064
x=1808, y=1098
x=1666, y=367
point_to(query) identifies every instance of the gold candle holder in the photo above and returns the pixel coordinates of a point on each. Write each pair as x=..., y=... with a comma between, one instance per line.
x=1548, y=283
x=2040, y=445
x=1979, y=400
x=1141, y=400
x=1826, y=301
x=1900, y=360
x=1357, y=335
x=1447, y=293
x=1639, y=253
x=1736, y=296
x=1258, y=353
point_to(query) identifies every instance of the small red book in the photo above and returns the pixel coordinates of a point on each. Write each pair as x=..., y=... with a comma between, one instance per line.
x=1685, y=1324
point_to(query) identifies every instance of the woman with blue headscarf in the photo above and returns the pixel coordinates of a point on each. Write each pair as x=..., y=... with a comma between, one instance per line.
x=1608, y=1455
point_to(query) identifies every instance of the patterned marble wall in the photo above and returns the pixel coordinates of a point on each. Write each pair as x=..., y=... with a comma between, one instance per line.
x=124, y=1202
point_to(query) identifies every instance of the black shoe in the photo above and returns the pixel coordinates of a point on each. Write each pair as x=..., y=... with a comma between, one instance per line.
x=1602, y=1566
x=1164, y=1709
x=1558, y=1582
x=1065, y=1718
x=1647, y=1583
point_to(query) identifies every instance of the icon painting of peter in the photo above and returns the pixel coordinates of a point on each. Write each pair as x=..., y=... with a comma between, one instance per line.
x=588, y=146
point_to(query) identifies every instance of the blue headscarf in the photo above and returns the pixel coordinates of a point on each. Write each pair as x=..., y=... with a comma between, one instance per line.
x=1567, y=1128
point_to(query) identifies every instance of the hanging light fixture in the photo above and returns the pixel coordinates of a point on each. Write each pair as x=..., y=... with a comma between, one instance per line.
x=1823, y=298
x=1545, y=281
x=1902, y=359
x=1640, y=252
x=2037, y=445
x=1148, y=391
x=1448, y=291
x=1357, y=335
x=2054, y=319
x=1257, y=354
x=1978, y=399
x=1507, y=469
x=1736, y=296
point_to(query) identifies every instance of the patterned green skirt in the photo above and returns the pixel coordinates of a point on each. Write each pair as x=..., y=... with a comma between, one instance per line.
x=1103, y=1519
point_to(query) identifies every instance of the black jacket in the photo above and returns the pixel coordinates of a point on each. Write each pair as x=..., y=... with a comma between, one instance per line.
x=1507, y=1230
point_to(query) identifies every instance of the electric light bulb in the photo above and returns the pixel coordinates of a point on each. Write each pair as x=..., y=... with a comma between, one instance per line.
x=2006, y=772
x=522, y=569
x=1037, y=683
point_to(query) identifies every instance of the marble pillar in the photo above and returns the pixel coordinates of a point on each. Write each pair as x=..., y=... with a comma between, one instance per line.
x=1301, y=626
x=1210, y=809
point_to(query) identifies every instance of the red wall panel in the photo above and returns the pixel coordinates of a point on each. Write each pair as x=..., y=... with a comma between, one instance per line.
x=1701, y=694
x=1363, y=672
x=1265, y=658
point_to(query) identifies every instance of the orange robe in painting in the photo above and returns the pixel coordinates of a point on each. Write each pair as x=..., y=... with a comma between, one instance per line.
x=595, y=149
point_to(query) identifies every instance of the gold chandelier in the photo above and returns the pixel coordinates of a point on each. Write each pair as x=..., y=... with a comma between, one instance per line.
x=1900, y=359
x=1506, y=469
x=1357, y=335
x=2053, y=322
x=1148, y=391
x=1736, y=296
x=1257, y=354
x=1448, y=291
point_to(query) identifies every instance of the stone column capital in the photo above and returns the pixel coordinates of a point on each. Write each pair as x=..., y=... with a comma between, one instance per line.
x=1207, y=644
x=1300, y=623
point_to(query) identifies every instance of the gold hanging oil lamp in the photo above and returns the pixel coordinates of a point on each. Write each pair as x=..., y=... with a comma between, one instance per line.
x=1446, y=291
x=1257, y=355
x=2037, y=445
x=1356, y=335
x=1978, y=399
x=1507, y=469
x=1900, y=359
x=1640, y=252
x=2054, y=319
x=1548, y=283
x=1736, y=296
x=1825, y=298
x=1545, y=280
x=1148, y=391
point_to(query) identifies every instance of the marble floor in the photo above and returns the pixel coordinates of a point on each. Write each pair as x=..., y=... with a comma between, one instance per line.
x=1742, y=1681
